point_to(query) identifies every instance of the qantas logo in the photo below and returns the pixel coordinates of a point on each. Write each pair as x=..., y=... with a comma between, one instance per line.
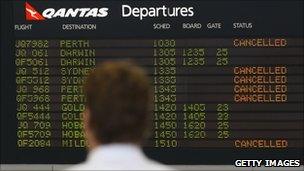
x=32, y=14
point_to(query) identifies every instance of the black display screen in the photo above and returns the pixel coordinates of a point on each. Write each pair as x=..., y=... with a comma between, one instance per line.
x=227, y=76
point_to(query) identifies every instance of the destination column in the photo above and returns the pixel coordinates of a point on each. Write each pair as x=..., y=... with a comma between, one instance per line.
x=76, y=60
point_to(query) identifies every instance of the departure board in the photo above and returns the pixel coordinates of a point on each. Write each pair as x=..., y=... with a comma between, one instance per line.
x=227, y=76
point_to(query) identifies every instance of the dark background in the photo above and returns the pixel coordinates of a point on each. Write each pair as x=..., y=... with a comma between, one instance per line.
x=270, y=19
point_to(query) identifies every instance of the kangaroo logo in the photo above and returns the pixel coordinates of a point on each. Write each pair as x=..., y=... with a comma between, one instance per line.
x=31, y=13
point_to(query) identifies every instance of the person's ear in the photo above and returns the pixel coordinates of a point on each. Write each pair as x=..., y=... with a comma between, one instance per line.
x=88, y=131
x=86, y=119
x=86, y=123
x=86, y=126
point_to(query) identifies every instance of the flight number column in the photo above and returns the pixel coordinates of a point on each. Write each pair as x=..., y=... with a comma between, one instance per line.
x=33, y=94
x=165, y=107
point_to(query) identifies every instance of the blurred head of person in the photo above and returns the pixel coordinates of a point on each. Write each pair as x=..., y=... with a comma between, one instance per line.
x=118, y=104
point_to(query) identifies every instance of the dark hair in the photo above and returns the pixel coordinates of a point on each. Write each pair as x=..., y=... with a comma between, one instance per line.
x=118, y=96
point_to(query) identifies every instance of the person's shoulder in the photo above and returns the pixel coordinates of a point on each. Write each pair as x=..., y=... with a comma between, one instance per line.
x=148, y=166
x=80, y=166
x=154, y=165
x=161, y=167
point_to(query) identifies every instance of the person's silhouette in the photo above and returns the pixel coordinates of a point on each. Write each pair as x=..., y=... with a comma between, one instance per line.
x=117, y=118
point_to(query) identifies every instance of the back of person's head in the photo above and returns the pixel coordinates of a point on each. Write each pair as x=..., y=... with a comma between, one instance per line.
x=118, y=98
